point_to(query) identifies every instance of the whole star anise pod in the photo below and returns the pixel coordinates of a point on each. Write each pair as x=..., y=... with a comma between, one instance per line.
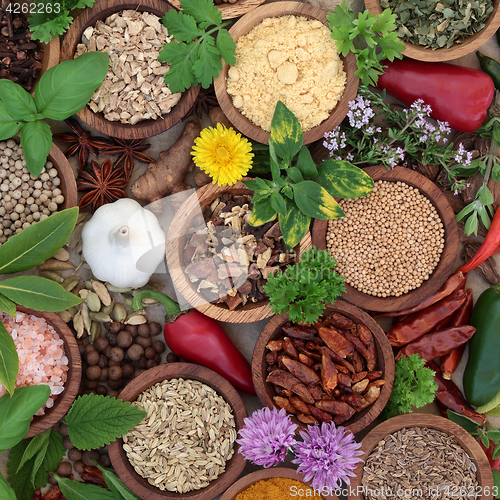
x=83, y=142
x=128, y=151
x=205, y=100
x=106, y=185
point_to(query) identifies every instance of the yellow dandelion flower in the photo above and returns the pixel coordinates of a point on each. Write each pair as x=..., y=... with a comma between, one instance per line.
x=223, y=154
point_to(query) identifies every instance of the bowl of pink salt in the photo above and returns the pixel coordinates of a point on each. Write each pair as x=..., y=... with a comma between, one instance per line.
x=49, y=355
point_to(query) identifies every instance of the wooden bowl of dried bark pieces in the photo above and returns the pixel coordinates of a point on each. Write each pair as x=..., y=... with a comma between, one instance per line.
x=428, y=454
x=135, y=86
x=340, y=369
x=225, y=284
x=179, y=389
x=466, y=46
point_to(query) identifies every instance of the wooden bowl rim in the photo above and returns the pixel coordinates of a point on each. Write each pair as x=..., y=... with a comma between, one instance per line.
x=254, y=477
x=51, y=56
x=384, y=352
x=190, y=371
x=408, y=420
x=230, y=10
x=446, y=263
x=254, y=311
x=142, y=129
x=254, y=17
x=72, y=385
x=470, y=44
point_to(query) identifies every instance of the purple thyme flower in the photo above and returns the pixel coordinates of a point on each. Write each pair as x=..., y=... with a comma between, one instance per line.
x=266, y=437
x=335, y=140
x=360, y=112
x=327, y=455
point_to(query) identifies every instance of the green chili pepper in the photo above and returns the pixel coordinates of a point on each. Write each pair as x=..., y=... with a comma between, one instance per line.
x=490, y=67
x=482, y=374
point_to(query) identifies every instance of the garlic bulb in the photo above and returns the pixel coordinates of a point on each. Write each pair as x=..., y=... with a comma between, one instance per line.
x=123, y=244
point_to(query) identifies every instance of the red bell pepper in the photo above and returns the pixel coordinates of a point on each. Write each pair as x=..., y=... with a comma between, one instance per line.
x=199, y=339
x=460, y=96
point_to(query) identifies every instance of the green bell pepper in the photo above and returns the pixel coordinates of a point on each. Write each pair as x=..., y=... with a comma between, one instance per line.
x=482, y=374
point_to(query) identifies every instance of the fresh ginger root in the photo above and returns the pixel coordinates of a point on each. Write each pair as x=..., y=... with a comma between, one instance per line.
x=166, y=176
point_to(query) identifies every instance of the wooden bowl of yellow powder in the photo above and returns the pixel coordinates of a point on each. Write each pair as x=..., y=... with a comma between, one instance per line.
x=285, y=53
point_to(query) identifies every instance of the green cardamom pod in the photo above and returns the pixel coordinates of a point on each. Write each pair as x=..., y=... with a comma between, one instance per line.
x=93, y=302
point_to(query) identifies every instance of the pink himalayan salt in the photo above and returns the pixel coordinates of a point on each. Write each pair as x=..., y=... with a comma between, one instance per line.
x=42, y=359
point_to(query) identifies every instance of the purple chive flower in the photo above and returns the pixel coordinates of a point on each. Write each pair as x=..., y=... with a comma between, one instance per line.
x=266, y=437
x=328, y=455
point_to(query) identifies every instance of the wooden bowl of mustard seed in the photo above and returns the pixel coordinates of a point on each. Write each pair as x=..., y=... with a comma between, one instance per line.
x=393, y=252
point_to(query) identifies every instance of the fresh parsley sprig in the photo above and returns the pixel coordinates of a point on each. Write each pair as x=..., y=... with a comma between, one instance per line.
x=201, y=42
x=371, y=38
x=305, y=287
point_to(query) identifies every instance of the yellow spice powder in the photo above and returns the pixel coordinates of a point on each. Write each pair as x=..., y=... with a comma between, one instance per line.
x=290, y=59
x=277, y=488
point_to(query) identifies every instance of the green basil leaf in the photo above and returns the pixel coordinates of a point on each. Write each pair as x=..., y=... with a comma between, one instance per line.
x=467, y=423
x=306, y=164
x=16, y=100
x=343, y=180
x=278, y=203
x=75, y=490
x=314, y=201
x=66, y=88
x=16, y=413
x=9, y=127
x=9, y=360
x=295, y=174
x=286, y=133
x=7, y=306
x=36, y=141
x=35, y=244
x=6, y=492
x=35, y=445
x=294, y=225
x=38, y=293
x=115, y=484
x=262, y=212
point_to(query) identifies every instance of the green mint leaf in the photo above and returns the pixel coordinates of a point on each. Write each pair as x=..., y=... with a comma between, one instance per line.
x=226, y=46
x=16, y=413
x=16, y=100
x=36, y=443
x=115, y=484
x=8, y=125
x=7, y=306
x=36, y=141
x=181, y=26
x=207, y=65
x=6, y=491
x=54, y=454
x=205, y=12
x=20, y=480
x=75, y=490
x=35, y=244
x=96, y=421
x=39, y=458
x=180, y=75
x=9, y=360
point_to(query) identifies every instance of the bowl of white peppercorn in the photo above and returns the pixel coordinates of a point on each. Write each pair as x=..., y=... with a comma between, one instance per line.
x=24, y=199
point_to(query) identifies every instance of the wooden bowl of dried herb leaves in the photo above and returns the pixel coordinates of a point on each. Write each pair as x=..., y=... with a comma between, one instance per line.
x=197, y=274
x=440, y=32
x=429, y=454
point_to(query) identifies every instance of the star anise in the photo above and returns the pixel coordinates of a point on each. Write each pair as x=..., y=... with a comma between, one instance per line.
x=128, y=151
x=206, y=99
x=83, y=142
x=106, y=185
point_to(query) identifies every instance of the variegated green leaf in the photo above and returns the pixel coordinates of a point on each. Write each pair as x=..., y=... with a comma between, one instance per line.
x=343, y=180
x=262, y=212
x=293, y=225
x=314, y=201
x=286, y=133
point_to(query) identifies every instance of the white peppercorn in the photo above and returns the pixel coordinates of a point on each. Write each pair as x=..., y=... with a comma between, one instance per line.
x=52, y=206
x=44, y=177
x=38, y=185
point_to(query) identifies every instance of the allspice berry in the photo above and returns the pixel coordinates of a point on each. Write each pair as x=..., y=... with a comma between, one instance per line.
x=132, y=329
x=116, y=354
x=144, y=341
x=159, y=346
x=92, y=357
x=101, y=343
x=135, y=351
x=155, y=328
x=102, y=390
x=115, y=373
x=124, y=339
x=127, y=370
x=75, y=454
x=115, y=327
x=64, y=469
x=149, y=352
x=143, y=330
x=89, y=455
x=93, y=373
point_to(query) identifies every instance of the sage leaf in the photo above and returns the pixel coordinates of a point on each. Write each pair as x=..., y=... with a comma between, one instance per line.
x=115, y=484
x=343, y=180
x=467, y=423
x=75, y=490
x=36, y=141
x=294, y=224
x=9, y=360
x=7, y=306
x=9, y=127
x=286, y=133
x=36, y=443
x=17, y=101
x=314, y=201
x=306, y=164
x=38, y=293
x=35, y=244
x=262, y=212
x=66, y=88
x=6, y=492
x=16, y=413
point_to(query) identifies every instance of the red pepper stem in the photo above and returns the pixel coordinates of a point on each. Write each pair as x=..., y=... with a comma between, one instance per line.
x=172, y=309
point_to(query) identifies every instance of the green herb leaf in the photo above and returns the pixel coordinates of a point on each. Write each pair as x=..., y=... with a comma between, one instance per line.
x=278, y=203
x=66, y=88
x=36, y=443
x=472, y=224
x=306, y=164
x=314, y=201
x=262, y=212
x=494, y=435
x=7, y=306
x=36, y=141
x=207, y=63
x=6, y=491
x=181, y=26
x=40, y=457
x=496, y=482
x=496, y=452
x=343, y=180
x=294, y=224
x=205, y=13
x=295, y=174
x=180, y=56
x=16, y=100
x=96, y=421
x=45, y=30
x=35, y=244
x=227, y=47
x=9, y=127
x=75, y=490
x=9, y=360
x=286, y=133
x=16, y=413
x=467, y=423
x=115, y=484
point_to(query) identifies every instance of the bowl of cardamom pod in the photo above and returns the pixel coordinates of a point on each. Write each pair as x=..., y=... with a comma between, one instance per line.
x=438, y=32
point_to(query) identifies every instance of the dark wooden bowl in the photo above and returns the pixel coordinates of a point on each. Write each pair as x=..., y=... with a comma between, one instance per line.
x=176, y=241
x=230, y=10
x=442, y=270
x=148, y=128
x=246, y=481
x=64, y=400
x=242, y=27
x=469, y=45
x=466, y=441
x=234, y=467
x=385, y=363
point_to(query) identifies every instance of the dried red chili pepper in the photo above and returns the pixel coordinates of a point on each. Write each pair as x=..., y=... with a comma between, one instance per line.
x=53, y=494
x=454, y=282
x=436, y=344
x=494, y=462
x=37, y=495
x=335, y=341
x=422, y=322
x=450, y=361
x=448, y=396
